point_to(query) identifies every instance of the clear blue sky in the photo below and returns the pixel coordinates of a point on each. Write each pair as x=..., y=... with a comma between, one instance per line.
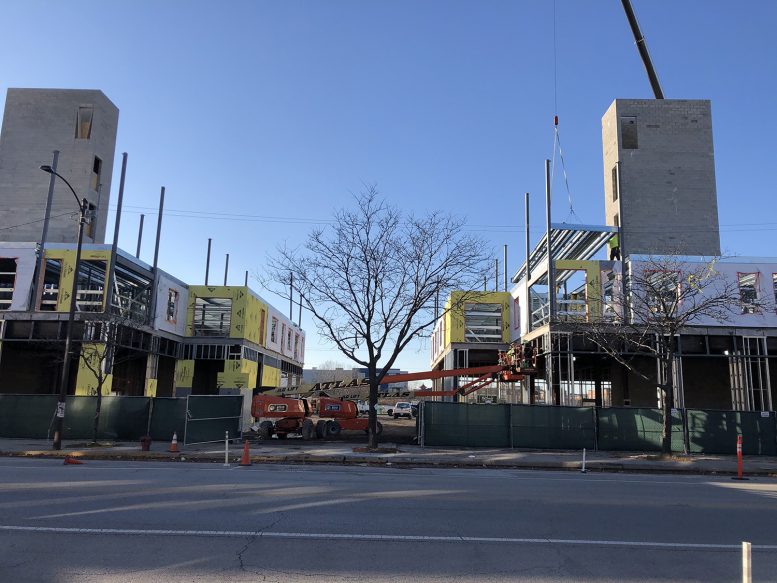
x=280, y=109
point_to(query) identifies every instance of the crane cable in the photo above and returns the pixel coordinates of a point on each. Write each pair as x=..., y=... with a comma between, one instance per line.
x=556, y=135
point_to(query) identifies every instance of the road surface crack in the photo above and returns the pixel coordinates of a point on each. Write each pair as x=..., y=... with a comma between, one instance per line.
x=251, y=540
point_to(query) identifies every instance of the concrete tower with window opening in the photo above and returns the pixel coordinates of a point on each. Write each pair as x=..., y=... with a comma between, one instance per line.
x=82, y=125
x=667, y=202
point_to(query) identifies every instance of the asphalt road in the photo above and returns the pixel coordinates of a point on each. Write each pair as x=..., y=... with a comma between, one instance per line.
x=152, y=521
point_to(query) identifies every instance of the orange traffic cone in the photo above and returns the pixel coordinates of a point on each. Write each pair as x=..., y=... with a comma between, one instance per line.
x=174, y=443
x=71, y=461
x=246, y=459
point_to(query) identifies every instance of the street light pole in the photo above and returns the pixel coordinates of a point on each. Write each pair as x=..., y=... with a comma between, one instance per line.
x=59, y=420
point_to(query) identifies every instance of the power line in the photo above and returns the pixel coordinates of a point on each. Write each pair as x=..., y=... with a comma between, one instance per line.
x=37, y=221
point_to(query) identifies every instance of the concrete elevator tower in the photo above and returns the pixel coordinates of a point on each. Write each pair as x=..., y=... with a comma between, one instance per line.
x=82, y=125
x=659, y=176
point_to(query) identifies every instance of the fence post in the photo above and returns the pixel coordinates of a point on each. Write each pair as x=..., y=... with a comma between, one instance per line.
x=596, y=427
x=510, y=421
x=421, y=425
x=150, y=414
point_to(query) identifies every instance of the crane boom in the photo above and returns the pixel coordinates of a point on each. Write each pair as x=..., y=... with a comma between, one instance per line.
x=642, y=48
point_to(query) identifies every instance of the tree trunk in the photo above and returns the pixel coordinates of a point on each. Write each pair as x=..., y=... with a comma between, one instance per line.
x=373, y=413
x=97, y=411
x=668, y=386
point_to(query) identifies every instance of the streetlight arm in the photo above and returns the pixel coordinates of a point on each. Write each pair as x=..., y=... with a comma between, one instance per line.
x=48, y=169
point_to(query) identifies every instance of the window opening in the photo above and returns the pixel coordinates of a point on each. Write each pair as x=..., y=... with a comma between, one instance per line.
x=91, y=220
x=262, y=324
x=131, y=294
x=50, y=290
x=662, y=291
x=748, y=292
x=614, y=183
x=91, y=285
x=172, y=305
x=296, y=346
x=283, y=335
x=539, y=305
x=274, y=330
x=629, y=133
x=483, y=322
x=97, y=167
x=212, y=316
x=609, y=308
x=571, y=296
x=84, y=116
x=774, y=284
x=288, y=340
x=7, y=282
x=516, y=314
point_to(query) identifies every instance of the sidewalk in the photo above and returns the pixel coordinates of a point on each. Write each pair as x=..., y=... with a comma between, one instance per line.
x=299, y=452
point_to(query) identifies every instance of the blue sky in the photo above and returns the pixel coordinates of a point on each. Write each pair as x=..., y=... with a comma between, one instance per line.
x=246, y=110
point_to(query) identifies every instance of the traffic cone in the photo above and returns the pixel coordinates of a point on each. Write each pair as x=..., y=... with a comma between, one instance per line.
x=246, y=459
x=174, y=443
x=71, y=461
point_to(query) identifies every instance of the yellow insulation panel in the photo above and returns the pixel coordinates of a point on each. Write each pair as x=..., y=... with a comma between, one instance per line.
x=184, y=373
x=68, y=259
x=90, y=361
x=271, y=376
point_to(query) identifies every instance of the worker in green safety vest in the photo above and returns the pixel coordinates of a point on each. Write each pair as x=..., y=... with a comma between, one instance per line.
x=615, y=249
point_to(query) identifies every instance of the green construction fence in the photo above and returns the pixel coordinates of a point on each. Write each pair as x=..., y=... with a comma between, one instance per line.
x=717, y=431
x=121, y=418
x=608, y=429
x=636, y=429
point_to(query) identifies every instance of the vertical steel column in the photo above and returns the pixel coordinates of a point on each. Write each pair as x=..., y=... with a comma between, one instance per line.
x=207, y=262
x=496, y=275
x=550, y=372
x=551, y=267
x=140, y=235
x=505, y=267
x=226, y=269
x=528, y=267
x=246, y=280
x=152, y=312
x=116, y=227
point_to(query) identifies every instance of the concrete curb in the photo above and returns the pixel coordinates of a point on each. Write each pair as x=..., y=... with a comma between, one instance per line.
x=383, y=460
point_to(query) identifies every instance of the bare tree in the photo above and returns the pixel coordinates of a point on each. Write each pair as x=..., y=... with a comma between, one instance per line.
x=372, y=278
x=661, y=297
x=98, y=355
x=331, y=365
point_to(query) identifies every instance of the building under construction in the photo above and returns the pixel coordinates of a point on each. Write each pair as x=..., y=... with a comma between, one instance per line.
x=660, y=211
x=661, y=229
x=137, y=330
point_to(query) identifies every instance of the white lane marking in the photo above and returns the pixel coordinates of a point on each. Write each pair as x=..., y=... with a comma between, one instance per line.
x=380, y=537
